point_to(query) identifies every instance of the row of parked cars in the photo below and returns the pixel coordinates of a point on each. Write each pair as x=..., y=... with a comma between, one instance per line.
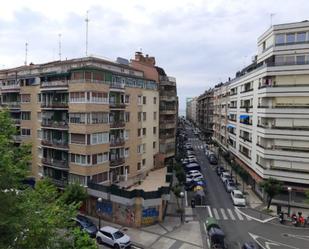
x=107, y=234
x=237, y=196
x=211, y=156
x=194, y=178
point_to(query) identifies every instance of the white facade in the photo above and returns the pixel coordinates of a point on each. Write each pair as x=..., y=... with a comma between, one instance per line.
x=269, y=106
x=192, y=109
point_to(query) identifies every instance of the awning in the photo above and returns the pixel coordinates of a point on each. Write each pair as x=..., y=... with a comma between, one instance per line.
x=230, y=126
x=244, y=116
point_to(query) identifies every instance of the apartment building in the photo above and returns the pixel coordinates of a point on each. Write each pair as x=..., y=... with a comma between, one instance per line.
x=191, y=109
x=88, y=119
x=205, y=108
x=269, y=108
x=220, y=115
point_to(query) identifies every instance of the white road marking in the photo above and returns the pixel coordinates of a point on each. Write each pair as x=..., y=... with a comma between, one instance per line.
x=216, y=214
x=268, y=242
x=186, y=199
x=208, y=242
x=205, y=227
x=223, y=214
x=252, y=218
x=239, y=215
x=209, y=211
x=231, y=214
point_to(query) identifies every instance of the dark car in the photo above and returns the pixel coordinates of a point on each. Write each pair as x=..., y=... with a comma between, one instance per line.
x=213, y=159
x=219, y=170
x=86, y=224
x=250, y=245
x=192, y=166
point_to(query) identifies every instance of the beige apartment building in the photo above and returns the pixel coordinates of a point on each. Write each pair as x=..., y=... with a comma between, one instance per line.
x=269, y=108
x=220, y=114
x=205, y=109
x=91, y=119
x=191, y=109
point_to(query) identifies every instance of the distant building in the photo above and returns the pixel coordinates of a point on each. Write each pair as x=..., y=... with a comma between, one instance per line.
x=191, y=109
x=205, y=109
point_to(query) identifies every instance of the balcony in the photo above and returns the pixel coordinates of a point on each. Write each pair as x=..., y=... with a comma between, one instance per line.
x=117, y=125
x=118, y=142
x=16, y=121
x=54, y=143
x=54, y=84
x=16, y=138
x=167, y=110
x=116, y=105
x=267, y=126
x=248, y=139
x=55, y=105
x=62, y=164
x=293, y=106
x=10, y=88
x=11, y=105
x=247, y=90
x=167, y=124
x=54, y=124
x=116, y=162
x=59, y=183
x=115, y=86
x=166, y=80
x=245, y=154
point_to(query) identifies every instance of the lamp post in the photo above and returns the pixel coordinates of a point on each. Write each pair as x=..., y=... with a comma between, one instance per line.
x=289, y=202
x=182, y=195
x=99, y=200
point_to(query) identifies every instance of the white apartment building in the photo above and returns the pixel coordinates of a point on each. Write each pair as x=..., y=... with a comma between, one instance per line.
x=192, y=109
x=269, y=108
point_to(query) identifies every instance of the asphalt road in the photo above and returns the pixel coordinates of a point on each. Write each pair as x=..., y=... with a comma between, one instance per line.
x=239, y=228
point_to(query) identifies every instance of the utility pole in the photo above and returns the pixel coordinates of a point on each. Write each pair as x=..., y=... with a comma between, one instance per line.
x=87, y=22
x=26, y=53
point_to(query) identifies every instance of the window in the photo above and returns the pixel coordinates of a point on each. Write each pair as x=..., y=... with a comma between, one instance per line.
x=139, y=148
x=39, y=134
x=127, y=117
x=280, y=39
x=144, y=100
x=99, y=117
x=300, y=59
x=144, y=162
x=144, y=131
x=153, y=145
x=139, y=116
x=139, y=100
x=154, y=115
x=39, y=98
x=39, y=116
x=144, y=148
x=78, y=118
x=139, y=132
x=100, y=158
x=26, y=115
x=77, y=97
x=127, y=99
x=290, y=60
x=99, y=97
x=144, y=116
x=80, y=159
x=154, y=130
x=139, y=166
x=154, y=100
x=290, y=38
x=25, y=98
x=279, y=60
x=127, y=168
x=25, y=132
x=100, y=138
x=78, y=138
x=126, y=134
x=301, y=37
x=126, y=152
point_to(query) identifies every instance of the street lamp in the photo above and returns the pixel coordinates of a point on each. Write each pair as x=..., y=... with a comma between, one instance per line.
x=182, y=195
x=289, y=202
x=99, y=200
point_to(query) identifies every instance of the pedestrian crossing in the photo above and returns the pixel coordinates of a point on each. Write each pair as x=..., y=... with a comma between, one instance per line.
x=226, y=214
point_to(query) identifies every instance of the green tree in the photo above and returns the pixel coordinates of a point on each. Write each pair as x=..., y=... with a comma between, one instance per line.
x=74, y=193
x=272, y=187
x=38, y=218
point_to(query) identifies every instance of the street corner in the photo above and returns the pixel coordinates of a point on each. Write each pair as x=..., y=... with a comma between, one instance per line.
x=255, y=214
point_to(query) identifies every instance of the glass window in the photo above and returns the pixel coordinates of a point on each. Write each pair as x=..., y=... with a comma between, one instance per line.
x=300, y=59
x=280, y=39
x=279, y=60
x=290, y=38
x=301, y=37
x=290, y=60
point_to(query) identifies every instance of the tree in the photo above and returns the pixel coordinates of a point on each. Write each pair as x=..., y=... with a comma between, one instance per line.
x=39, y=218
x=272, y=187
x=74, y=193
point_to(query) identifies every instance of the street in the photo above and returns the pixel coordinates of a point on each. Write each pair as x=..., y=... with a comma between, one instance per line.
x=237, y=226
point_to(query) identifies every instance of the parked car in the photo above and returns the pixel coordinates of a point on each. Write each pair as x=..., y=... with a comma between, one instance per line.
x=219, y=170
x=113, y=237
x=193, y=172
x=250, y=245
x=238, y=198
x=192, y=166
x=191, y=185
x=213, y=160
x=230, y=185
x=86, y=224
x=224, y=176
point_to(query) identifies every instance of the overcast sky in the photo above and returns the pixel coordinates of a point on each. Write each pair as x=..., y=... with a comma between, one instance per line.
x=199, y=42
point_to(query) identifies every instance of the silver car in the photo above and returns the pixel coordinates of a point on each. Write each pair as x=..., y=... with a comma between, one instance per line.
x=113, y=237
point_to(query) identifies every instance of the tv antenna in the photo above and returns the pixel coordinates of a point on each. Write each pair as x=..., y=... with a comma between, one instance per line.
x=26, y=53
x=87, y=22
x=59, y=35
x=271, y=18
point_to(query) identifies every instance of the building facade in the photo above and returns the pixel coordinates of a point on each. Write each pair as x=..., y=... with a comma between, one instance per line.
x=191, y=109
x=88, y=119
x=205, y=109
x=268, y=108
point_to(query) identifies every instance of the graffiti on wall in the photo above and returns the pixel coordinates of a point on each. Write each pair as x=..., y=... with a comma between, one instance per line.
x=104, y=208
x=124, y=214
x=150, y=216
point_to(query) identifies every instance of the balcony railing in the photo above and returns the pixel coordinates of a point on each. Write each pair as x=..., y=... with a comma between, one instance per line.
x=59, y=83
x=63, y=164
x=233, y=107
x=55, y=143
x=266, y=126
x=245, y=122
x=116, y=85
x=16, y=121
x=117, y=124
x=245, y=154
x=246, y=106
x=246, y=138
x=10, y=87
x=55, y=105
x=16, y=138
x=166, y=136
x=247, y=90
x=284, y=106
x=14, y=104
x=116, y=162
x=117, y=142
x=287, y=85
x=54, y=124
x=59, y=183
x=117, y=105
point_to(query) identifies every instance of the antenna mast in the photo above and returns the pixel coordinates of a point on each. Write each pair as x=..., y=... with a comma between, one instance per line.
x=87, y=21
x=271, y=18
x=59, y=46
x=26, y=53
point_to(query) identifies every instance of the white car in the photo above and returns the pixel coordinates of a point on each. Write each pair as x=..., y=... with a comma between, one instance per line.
x=238, y=198
x=113, y=237
x=225, y=176
x=193, y=172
